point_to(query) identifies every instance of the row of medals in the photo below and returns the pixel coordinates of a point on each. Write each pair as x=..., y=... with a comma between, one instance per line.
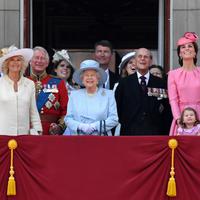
x=47, y=88
x=157, y=92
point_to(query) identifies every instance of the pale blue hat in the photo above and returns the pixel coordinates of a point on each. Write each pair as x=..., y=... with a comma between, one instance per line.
x=89, y=64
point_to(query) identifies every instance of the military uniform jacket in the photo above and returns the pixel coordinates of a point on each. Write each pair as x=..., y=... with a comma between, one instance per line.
x=55, y=107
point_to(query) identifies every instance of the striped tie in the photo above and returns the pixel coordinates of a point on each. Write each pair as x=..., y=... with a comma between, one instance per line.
x=143, y=83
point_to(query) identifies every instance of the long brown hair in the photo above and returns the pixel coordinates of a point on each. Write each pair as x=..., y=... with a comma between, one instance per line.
x=182, y=114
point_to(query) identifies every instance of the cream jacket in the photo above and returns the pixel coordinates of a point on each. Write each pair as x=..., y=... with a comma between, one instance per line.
x=18, y=111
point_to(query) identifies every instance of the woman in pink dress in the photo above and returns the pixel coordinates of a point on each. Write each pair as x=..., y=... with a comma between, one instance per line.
x=184, y=82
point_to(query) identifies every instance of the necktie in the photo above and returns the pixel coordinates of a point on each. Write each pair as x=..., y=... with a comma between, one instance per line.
x=143, y=83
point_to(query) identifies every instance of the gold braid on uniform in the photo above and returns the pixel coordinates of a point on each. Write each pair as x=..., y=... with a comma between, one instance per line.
x=38, y=83
x=61, y=123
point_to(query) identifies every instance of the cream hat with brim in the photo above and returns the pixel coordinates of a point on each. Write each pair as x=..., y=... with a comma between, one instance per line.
x=125, y=59
x=86, y=65
x=12, y=51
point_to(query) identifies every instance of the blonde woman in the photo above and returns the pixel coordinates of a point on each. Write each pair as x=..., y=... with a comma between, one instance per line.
x=19, y=115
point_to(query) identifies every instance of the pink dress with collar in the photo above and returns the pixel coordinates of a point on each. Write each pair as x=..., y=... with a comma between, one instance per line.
x=184, y=91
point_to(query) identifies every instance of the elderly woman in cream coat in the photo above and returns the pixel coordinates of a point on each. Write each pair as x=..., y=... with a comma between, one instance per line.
x=18, y=114
x=91, y=110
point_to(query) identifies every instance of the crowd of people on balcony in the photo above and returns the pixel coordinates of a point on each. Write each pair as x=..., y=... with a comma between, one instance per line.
x=90, y=99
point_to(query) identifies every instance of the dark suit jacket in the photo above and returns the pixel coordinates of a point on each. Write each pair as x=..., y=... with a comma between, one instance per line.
x=139, y=114
x=114, y=78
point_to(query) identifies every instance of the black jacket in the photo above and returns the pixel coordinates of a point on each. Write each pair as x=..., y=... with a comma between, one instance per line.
x=140, y=114
x=113, y=78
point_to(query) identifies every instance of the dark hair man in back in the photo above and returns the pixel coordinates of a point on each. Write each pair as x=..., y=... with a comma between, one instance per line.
x=103, y=51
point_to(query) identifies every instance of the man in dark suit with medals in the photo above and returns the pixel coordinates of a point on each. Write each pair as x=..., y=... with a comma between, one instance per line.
x=51, y=94
x=140, y=99
x=103, y=54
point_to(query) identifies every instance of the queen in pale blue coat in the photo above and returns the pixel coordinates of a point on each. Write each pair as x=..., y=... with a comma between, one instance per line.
x=92, y=110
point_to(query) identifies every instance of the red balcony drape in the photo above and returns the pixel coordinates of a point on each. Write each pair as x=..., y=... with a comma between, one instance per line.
x=100, y=168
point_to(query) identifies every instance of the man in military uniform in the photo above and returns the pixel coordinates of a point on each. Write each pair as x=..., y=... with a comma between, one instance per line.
x=51, y=94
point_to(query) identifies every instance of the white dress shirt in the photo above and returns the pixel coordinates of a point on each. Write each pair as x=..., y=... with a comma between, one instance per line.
x=147, y=75
x=107, y=83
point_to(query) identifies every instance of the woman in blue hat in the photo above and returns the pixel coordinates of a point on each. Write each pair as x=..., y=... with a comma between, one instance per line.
x=91, y=110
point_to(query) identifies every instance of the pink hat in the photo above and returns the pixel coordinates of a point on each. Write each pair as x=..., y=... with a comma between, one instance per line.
x=187, y=38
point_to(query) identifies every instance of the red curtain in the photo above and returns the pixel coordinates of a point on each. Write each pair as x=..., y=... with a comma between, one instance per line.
x=100, y=168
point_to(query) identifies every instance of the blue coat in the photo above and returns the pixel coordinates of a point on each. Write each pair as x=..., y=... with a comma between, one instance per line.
x=84, y=108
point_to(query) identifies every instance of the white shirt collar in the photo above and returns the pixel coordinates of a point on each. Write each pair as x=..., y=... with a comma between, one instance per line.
x=147, y=75
x=107, y=71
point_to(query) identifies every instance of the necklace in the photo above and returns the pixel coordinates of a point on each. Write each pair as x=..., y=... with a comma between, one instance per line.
x=92, y=94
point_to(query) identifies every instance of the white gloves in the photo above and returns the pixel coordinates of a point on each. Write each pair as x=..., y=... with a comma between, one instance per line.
x=86, y=128
x=83, y=127
x=34, y=132
x=93, y=127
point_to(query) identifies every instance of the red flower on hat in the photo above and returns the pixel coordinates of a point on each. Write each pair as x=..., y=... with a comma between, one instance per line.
x=191, y=36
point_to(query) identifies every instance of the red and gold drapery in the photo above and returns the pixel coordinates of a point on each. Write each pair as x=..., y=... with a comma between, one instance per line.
x=100, y=168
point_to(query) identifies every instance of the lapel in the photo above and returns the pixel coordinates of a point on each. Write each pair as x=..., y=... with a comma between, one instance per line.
x=110, y=79
x=152, y=81
x=135, y=86
x=113, y=78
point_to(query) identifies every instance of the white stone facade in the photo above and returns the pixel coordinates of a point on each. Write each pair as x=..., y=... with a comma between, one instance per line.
x=9, y=22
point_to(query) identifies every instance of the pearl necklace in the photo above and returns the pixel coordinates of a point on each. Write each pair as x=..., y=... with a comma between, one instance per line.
x=92, y=94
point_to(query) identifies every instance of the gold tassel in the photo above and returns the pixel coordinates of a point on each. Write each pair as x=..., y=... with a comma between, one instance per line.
x=171, y=188
x=11, y=190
